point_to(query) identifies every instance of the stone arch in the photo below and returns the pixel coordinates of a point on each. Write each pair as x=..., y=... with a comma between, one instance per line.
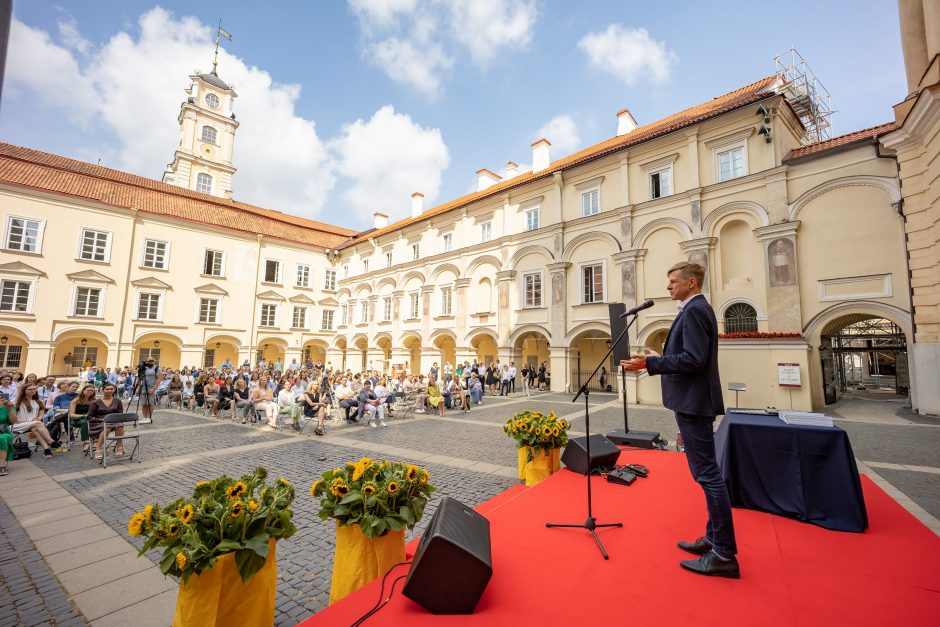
x=434, y=337
x=413, y=274
x=22, y=330
x=365, y=286
x=145, y=334
x=671, y=223
x=478, y=332
x=408, y=335
x=585, y=237
x=444, y=267
x=533, y=249
x=344, y=291
x=76, y=329
x=386, y=281
x=813, y=329
x=720, y=311
x=482, y=260
x=526, y=329
x=382, y=335
x=340, y=342
x=357, y=338
x=652, y=328
x=741, y=206
x=586, y=326
x=888, y=184
x=223, y=337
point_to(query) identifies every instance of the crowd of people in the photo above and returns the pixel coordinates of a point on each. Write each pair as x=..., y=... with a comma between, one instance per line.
x=43, y=409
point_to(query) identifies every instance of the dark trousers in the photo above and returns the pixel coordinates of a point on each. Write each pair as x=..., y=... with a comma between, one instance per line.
x=699, y=438
x=348, y=404
x=504, y=388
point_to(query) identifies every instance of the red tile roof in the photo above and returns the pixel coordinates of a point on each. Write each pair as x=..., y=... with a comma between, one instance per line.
x=688, y=117
x=52, y=173
x=841, y=140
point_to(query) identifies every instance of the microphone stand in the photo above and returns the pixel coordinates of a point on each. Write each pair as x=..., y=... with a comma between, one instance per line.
x=625, y=437
x=591, y=523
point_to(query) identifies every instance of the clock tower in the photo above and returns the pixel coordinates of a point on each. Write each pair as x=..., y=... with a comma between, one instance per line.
x=203, y=160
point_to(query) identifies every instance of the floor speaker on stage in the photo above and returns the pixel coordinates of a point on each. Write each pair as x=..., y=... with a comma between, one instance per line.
x=603, y=453
x=453, y=564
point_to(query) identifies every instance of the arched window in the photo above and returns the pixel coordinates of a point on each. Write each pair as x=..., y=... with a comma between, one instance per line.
x=209, y=134
x=740, y=318
x=204, y=183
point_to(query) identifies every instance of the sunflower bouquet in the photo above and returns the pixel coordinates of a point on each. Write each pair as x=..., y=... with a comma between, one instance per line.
x=379, y=496
x=224, y=515
x=534, y=430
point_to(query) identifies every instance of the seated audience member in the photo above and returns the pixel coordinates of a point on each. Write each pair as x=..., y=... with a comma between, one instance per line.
x=371, y=405
x=108, y=404
x=7, y=418
x=163, y=389
x=420, y=394
x=314, y=406
x=384, y=394
x=189, y=395
x=7, y=389
x=211, y=394
x=56, y=414
x=243, y=400
x=448, y=391
x=476, y=388
x=346, y=398
x=435, y=398
x=463, y=392
x=47, y=390
x=61, y=388
x=78, y=408
x=226, y=397
x=199, y=391
x=286, y=404
x=29, y=410
x=263, y=398
x=175, y=391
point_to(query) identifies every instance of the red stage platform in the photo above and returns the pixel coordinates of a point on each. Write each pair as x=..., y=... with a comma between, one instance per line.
x=792, y=573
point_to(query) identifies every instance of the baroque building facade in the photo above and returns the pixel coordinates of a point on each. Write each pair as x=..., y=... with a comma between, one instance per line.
x=103, y=267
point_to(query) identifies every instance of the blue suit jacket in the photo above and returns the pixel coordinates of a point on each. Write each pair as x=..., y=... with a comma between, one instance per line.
x=689, y=364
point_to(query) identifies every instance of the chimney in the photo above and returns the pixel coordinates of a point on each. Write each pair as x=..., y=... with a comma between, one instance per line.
x=512, y=170
x=417, y=204
x=379, y=220
x=540, y=155
x=625, y=122
x=485, y=179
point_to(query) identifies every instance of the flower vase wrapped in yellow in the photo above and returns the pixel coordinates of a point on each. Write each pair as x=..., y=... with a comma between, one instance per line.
x=217, y=541
x=539, y=438
x=372, y=503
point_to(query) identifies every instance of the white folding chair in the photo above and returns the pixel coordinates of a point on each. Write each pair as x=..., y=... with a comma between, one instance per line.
x=111, y=421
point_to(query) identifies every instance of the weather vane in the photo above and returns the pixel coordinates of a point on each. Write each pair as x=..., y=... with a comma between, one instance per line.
x=221, y=32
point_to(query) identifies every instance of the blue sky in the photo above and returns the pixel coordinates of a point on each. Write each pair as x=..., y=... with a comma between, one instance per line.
x=348, y=107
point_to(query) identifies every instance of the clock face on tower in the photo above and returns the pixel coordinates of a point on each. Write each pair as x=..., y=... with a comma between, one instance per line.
x=212, y=100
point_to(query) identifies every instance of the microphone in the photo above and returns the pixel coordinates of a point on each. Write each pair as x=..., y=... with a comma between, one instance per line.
x=638, y=308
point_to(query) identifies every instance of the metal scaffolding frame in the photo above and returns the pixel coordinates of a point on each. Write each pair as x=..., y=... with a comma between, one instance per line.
x=805, y=93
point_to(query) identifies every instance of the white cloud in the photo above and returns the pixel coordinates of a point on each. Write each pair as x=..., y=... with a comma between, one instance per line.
x=629, y=54
x=131, y=86
x=562, y=132
x=487, y=27
x=388, y=158
x=379, y=14
x=405, y=63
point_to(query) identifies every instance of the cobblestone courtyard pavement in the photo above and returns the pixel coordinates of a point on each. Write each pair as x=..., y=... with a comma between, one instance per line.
x=65, y=557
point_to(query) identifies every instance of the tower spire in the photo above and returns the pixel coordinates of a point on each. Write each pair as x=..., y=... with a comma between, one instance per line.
x=221, y=32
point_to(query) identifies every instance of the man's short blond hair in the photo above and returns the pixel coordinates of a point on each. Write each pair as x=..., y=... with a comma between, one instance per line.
x=689, y=269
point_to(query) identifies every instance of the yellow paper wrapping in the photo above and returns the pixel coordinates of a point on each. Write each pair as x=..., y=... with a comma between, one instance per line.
x=541, y=466
x=523, y=453
x=218, y=596
x=359, y=560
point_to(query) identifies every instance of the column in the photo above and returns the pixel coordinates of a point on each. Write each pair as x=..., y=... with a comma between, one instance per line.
x=700, y=251
x=504, y=281
x=778, y=247
x=461, y=318
x=335, y=357
x=560, y=369
x=426, y=322
x=190, y=355
x=558, y=301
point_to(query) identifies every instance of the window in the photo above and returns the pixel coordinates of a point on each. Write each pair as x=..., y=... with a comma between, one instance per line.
x=148, y=306
x=532, y=284
x=486, y=231
x=88, y=355
x=209, y=134
x=268, y=315
x=388, y=259
x=326, y=322
x=87, y=301
x=343, y=315
x=15, y=296
x=299, y=319
x=303, y=275
x=591, y=202
x=446, y=300
x=145, y=354
x=592, y=281
x=731, y=163
x=661, y=183
x=329, y=279
x=740, y=318
x=212, y=100
x=208, y=358
x=532, y=218
x=155, y=254
x=365, y=265
x=208, y=310
x=364, y=312
x=413, y=304
x=24, y=235
x=272, y=271
x=387, y=309
x=203, y=183
x=416, y=251
x=10, y=356
x=448, y=242
x=212, y=263
x=96, y=245
x=345, y=271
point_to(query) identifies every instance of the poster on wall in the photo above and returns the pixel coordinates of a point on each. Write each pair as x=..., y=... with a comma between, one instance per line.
x=788, y=375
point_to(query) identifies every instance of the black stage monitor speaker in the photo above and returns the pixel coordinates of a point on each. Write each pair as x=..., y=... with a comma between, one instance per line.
x=453, y=564
x=617, y=325
x=603, y=453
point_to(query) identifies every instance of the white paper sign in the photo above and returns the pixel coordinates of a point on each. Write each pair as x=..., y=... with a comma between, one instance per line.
x=788, y=375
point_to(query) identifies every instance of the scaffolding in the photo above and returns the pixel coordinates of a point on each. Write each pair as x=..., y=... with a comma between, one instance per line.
x=806, y=94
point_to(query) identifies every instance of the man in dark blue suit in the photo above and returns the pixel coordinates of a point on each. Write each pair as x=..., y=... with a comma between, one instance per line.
x=691, y=388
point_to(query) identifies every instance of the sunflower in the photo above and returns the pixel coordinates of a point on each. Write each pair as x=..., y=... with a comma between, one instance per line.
x=339, y=487
x=237, y=508
x=392, y=487
x=283, y=482
x=148, y=512
x=369, y=489
x=424, y=477
x=546, y=430
x=313, y=488
x=181, y=560
x=199, y=484
x=556, y=431
x=253, y=505
x=412, y=473
x=186, y=513
x=172, y=529
x=236, y=490
x=135, y=524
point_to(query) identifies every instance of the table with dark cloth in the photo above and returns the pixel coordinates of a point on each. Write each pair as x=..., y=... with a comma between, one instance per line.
x=798, y=471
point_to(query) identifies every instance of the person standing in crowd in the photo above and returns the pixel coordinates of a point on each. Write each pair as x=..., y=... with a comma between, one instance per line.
x=525, y=379
x=542, y=376
x=504, y=381
x=476, y=388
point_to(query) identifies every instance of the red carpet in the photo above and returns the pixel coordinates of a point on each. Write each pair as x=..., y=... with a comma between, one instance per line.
x=792, y=573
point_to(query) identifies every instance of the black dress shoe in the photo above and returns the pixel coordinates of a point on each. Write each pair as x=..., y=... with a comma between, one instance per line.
x=713, y=566
x=699, y=547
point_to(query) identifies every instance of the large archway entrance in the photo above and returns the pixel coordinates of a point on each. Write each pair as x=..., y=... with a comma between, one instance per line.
x=384, y=344
x=484, y=345
x=163, y=348
x=314, y=352
x=272, y=350
x=361, y=344
x=446, y=343
x=587, y=349
x=412, y=344
x=14, y=346
x=532, y=349
x=863, y=355
x=219, y=350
